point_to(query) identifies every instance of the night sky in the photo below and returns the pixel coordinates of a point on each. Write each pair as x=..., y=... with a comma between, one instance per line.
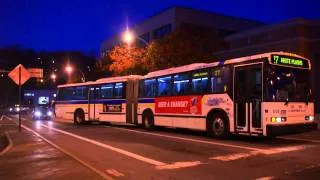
x=83, y=24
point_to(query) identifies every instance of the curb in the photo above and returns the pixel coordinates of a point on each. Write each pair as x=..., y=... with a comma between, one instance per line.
x=9, y=144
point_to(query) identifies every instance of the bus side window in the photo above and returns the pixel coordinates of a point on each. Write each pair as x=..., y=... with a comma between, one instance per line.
x=200, y=82
x=141, y=87
x=149, y=88
x=79, y=93
x=118, y=90
x=164, y=86
x=107, y=91
x=220, y=79
x=181, y=84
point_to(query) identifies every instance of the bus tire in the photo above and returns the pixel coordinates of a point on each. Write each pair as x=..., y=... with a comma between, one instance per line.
x=148, y=120
x=218, y=126
x=79, y=117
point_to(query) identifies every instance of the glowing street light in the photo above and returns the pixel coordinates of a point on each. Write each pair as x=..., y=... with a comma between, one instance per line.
x=53, y=76
x=128, y=37
x=69, y=69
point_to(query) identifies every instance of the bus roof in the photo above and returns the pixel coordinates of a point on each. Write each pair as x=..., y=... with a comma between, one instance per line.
x=254, y=57
x=196, y=66
x=104, y=80
x=173, y=70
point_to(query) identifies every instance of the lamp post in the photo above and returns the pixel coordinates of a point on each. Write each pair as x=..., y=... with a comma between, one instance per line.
x=128, y=38
x=69, y=70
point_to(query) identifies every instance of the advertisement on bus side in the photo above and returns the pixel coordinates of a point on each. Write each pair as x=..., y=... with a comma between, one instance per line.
x=178, y=105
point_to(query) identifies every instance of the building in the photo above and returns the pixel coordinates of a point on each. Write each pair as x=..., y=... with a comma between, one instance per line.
x=167, y=21
x=299, y=36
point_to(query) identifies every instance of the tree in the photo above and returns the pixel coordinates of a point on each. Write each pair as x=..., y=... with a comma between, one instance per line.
x=126, y=59
x=101, y=68
x=186, y=45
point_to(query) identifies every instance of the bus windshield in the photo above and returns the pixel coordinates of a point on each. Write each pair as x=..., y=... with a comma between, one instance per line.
x=288, y=84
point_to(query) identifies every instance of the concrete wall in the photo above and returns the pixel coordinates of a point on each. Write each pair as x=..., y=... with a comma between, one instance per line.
x=219, y=21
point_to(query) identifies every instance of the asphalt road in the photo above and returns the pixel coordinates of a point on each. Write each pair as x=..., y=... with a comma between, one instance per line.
x=127, y=152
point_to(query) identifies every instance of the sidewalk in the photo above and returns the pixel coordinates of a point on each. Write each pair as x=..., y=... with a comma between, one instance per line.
x=32, y=158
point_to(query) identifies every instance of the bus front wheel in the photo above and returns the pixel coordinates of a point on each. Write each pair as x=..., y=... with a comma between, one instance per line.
x=148, y=120
x=79, y=117
x=218, y=126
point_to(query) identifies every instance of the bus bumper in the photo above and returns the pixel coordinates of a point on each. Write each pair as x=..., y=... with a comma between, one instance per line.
x=275, y=130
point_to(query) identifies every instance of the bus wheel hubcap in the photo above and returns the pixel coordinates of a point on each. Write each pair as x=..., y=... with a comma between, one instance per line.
x=146, y=122
x=218, y=126
x=78, y=119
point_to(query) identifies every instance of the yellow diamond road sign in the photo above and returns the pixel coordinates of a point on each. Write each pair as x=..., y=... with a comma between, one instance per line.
x=19, y=71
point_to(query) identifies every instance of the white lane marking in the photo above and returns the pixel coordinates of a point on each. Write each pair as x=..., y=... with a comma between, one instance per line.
x=103, y=175
x=192, y=140
x=9, y=145
x=121, y=151
x=237, y=156
x=299, y=139
x=178, y=165
x=232, y=157
x=7, y=117
x=114, y=172
x=265, y=178
x=282, y=150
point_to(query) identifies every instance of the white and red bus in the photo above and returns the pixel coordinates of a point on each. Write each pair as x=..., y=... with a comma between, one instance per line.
x=109, y=99
x=265, y=94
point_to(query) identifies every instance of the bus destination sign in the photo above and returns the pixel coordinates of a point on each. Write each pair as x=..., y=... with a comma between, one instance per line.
x=289, y=61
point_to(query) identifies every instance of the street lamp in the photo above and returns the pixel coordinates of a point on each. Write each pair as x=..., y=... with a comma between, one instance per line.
x=53, y=77
x=69, y=70
x=128, y=38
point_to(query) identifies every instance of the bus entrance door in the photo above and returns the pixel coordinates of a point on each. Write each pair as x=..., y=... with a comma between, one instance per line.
x=247, y=98
x=93, y=95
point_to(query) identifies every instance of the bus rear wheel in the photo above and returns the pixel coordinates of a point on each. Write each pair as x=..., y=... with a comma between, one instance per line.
x=218, y=126
x=79, y=117
x=148, y=121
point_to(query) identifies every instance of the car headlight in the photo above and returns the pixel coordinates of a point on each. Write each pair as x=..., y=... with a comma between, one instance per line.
x=10, y=109
x=49, y=113
x=37, y=113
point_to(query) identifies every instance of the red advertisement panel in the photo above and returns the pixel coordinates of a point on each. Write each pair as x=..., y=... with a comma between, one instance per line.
x=178, y=105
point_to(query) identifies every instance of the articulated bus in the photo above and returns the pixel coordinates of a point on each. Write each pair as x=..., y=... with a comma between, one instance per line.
x=108, y=99
x=262, y=95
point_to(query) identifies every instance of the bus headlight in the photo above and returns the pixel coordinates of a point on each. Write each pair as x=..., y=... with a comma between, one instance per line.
x=37, y=113
x=309, y=118
x=49, y=113
x=278, y=119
